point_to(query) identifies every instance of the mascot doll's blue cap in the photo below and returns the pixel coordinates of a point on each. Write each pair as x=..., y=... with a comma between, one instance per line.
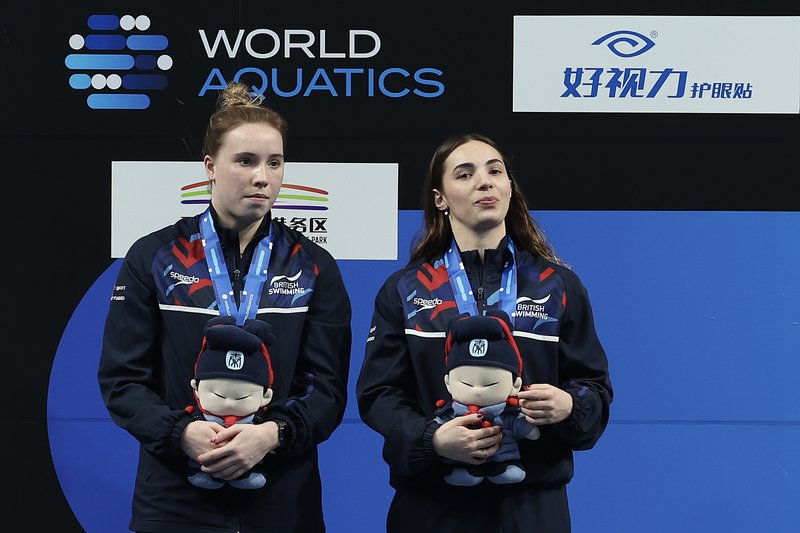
x=483, y=340
x=230, y=351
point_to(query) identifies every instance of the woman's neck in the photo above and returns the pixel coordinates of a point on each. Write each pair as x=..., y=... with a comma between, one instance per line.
x=480, y=241
x=246, y=235
x=246, y=230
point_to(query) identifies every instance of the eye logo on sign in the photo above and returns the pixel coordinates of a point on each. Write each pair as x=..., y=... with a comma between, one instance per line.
x=115, y=59
x=305, y=199
x=626, y=43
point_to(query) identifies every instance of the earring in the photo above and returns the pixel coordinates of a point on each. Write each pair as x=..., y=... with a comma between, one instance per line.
x=446, y=212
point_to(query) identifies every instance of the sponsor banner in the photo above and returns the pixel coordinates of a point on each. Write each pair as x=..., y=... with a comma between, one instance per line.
x=656, y=64
x=122, y=61
x=334, y=204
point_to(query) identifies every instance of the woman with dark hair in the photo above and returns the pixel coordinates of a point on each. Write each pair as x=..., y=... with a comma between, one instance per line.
x=228, y=261
x=438, y=232
x=480, y=249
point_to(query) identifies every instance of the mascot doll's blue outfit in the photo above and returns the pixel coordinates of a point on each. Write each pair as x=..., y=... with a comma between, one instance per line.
x=486, y=342
x=231, y=358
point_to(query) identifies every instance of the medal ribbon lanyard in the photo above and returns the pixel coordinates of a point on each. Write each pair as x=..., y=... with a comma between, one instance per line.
x=220, y=279
x=459, y=281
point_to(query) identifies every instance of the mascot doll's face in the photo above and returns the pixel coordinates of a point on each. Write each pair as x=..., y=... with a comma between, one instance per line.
x=231, y=397
x=481, y=385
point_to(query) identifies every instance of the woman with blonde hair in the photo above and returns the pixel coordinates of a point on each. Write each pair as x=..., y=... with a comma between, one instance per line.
x=225, y=262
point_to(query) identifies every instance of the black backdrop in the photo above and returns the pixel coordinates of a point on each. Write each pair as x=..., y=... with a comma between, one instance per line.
x=56, y=156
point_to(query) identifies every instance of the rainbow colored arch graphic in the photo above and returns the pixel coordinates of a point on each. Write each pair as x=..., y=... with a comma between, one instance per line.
x=313, y=199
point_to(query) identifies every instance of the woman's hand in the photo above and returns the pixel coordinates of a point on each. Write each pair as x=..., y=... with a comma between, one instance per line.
x=542, y=403
x=455, y=440
x=239, y=448
x=198, y=437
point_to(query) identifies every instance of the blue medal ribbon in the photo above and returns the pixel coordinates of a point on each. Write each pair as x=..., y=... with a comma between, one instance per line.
x=462, y=291
x=220, y=279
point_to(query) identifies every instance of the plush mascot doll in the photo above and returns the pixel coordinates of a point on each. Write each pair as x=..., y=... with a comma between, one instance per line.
x=483, y=367
x=232, y=385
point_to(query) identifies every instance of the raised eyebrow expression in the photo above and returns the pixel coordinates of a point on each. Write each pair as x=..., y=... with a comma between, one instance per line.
x=471, y=166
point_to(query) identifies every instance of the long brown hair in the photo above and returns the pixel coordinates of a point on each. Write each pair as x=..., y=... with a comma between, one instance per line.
x=236, y=105
x=436, y=233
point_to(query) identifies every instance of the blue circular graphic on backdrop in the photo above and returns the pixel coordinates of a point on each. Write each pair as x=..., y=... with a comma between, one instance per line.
x=94, y=459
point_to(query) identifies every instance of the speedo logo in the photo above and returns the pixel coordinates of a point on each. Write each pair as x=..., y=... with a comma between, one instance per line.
x=426, y=303
x=183, y=279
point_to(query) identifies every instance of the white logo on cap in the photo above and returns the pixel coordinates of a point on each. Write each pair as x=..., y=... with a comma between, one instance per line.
x=477, y=347
x=234, y=360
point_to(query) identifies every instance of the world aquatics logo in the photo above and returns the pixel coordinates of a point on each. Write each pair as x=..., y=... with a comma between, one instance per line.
x=305, y=199
x=115, y=61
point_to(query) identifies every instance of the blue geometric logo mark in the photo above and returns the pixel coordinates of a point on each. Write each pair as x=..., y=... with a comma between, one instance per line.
x=117, y=62
x=626, y=43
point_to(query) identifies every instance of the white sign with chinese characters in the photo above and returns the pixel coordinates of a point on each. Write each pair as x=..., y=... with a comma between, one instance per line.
x=656, y=64
x=348, y=208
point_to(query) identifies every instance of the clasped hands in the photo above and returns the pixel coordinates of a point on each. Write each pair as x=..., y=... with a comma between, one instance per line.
x=228, y=453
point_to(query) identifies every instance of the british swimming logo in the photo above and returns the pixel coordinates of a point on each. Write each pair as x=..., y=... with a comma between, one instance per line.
x=289, y=285
x=117, y=62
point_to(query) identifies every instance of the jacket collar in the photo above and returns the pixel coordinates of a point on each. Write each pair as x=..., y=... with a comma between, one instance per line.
x=228, y=237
